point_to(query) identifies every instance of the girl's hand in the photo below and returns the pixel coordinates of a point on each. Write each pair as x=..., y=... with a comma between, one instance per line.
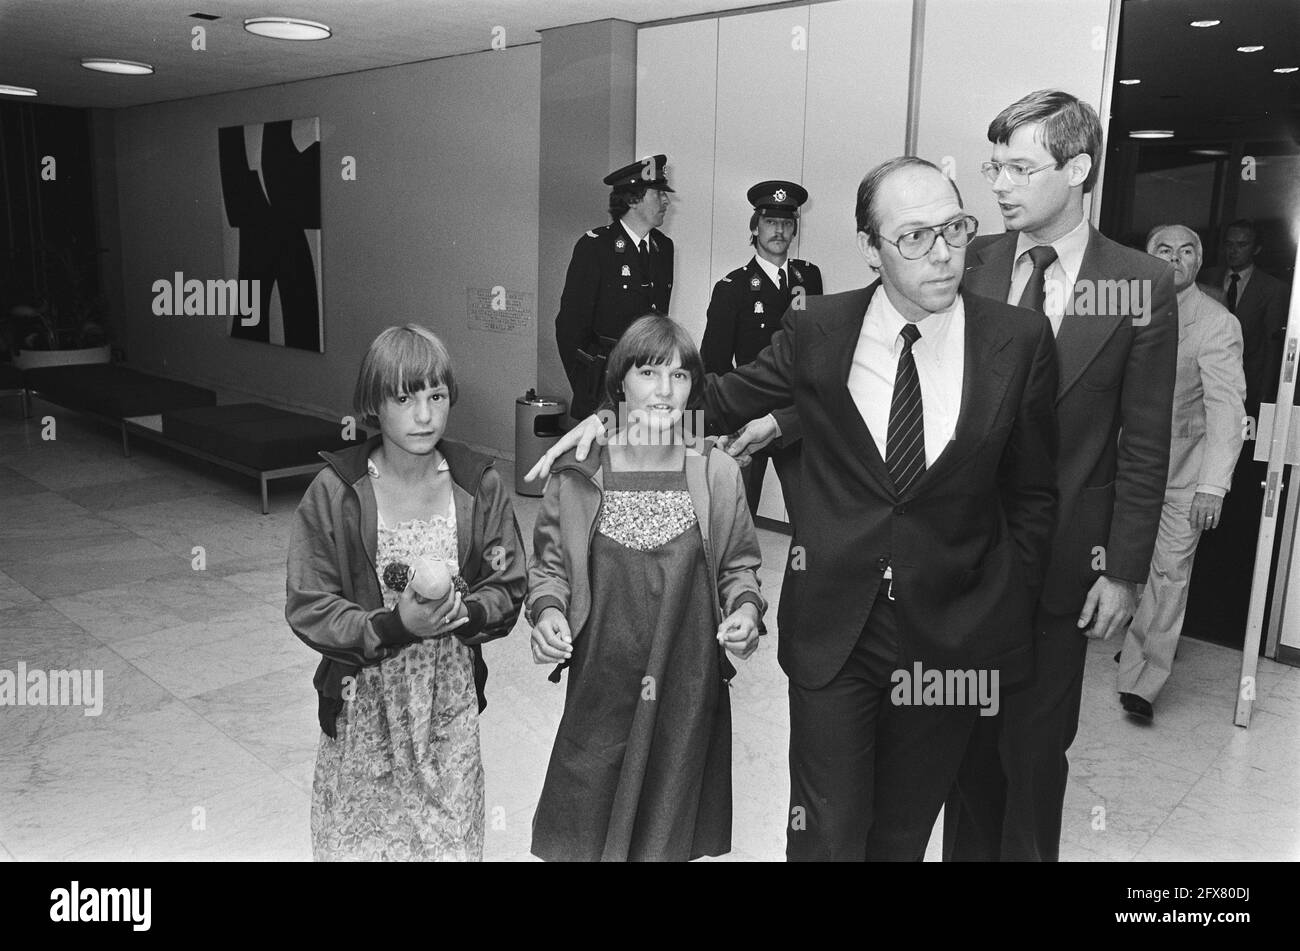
x=739, y=632
x=426, y=620
x=551, y=641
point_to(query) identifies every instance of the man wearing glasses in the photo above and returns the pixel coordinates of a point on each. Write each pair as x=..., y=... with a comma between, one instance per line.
x=929, y=493
x=1115, y=316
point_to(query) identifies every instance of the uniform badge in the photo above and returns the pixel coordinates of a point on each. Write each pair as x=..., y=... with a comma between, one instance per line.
x=758, y=307
x=627, y=271
x=797, y=276
x=755, y=283
x=620, y=244
x=779, y=194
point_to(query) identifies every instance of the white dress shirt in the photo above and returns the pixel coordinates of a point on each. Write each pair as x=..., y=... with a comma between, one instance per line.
x=1243, y=278
x=772, y=271
x=636, y=238
x=940, y=356
x=1058, y=280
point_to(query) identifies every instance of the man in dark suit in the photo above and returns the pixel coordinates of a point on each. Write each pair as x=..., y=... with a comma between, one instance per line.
x=745, y=311
x=618, y=272
x=1115, y=316
x=1259, y=302
x=928, y=502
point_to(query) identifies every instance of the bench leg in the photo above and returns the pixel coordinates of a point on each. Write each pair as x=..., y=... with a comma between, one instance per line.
x=265, y=508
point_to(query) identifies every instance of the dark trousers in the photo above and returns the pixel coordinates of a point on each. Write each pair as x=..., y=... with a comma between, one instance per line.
x=786, y=462
x=867, y=777
x=1006, y=804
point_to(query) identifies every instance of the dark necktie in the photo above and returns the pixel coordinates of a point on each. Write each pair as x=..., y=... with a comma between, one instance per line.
x=905, y=442
x=781, y=284
x=643, y=249
x=1232, y=292
x=1034, y=296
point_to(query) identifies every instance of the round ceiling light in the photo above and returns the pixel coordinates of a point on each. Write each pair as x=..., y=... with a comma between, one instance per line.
x=1286, y=69
x=1202, y=24
x=1217, y=153
x=287, y=28
x=1151, y=134
x=1249, y=49
x=122, y=67
x=1129, y=82
x=7, y=90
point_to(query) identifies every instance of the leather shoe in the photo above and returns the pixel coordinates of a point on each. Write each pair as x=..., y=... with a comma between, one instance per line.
x=1137, y=706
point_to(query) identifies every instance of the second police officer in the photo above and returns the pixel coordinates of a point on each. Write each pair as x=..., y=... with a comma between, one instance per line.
x=619, y=272
x=746, y=309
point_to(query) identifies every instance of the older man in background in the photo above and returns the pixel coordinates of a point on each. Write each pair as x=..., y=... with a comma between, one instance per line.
x=1208, y=410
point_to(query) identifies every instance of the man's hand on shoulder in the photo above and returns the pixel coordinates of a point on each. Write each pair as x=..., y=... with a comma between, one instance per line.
x=590, y=430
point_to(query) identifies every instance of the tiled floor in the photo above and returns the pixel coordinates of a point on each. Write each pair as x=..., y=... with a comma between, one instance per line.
x=207, y=738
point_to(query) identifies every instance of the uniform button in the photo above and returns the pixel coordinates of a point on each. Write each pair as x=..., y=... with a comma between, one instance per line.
x=882, y=562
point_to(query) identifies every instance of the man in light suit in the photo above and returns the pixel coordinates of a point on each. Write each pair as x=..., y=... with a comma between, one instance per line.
x=928, y=502
x=1209, y=403
x=1116, y=321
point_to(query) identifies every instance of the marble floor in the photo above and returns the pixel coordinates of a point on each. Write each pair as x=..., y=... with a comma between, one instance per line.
x=206, y=741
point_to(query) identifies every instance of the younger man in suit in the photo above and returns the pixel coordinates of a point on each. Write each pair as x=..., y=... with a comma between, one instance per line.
x=1116, y=321
x=1209, y=395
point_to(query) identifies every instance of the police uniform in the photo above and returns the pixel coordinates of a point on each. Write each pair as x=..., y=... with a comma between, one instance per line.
x=610, y=283
x=744, y=312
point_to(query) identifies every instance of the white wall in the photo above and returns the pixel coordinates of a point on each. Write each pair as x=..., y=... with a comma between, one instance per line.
x=445, y=199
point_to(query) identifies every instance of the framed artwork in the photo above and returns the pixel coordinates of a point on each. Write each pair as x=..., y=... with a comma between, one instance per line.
x=270, y=189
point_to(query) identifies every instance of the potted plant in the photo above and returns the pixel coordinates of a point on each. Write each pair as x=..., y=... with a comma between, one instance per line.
x=66, y=323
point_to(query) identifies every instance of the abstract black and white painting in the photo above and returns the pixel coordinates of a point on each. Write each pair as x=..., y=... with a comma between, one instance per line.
x=270, y=188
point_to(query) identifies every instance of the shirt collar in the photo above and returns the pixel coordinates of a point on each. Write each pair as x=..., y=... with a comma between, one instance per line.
x=770, y=269
x=1244, y=273
x=1070, y=248
x=636, y=238
x=884, y=320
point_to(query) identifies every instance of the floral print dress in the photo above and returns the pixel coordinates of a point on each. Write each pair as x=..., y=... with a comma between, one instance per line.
x=404, y=779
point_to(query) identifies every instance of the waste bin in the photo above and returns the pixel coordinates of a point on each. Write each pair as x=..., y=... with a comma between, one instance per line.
x=537, y=429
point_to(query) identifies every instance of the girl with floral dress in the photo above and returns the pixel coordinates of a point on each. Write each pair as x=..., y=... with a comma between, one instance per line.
x=644, y=572
x=398, y=771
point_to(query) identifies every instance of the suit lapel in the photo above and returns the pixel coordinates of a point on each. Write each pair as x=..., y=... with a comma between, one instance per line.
x=990, y=274
x=1085, y=332
x=836, y=358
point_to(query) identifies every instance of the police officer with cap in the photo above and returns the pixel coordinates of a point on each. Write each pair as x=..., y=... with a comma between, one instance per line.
x=619, y=272
x=746, y=310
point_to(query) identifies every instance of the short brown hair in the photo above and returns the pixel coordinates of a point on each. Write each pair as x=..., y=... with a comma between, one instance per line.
x=753, y=223
x=869, y=188
x=653, y=340
x=1070, y=127
x=401, y=360
x=621, y=199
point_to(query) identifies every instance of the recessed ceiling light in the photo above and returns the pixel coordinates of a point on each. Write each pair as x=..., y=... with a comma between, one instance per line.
x=1129, y=82
x=123, y=67
x=1249, y=49
x=287, y=28
x=1286, y=69
x=1214, y=152
x=1151, y=134
x=6, y=90
x=1204, y=23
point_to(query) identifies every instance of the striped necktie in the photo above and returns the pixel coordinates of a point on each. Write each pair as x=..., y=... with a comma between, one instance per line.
x=905, y=442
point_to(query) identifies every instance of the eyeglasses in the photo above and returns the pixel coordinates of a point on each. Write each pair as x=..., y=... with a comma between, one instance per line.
x=1016, y=174
x=917, y=244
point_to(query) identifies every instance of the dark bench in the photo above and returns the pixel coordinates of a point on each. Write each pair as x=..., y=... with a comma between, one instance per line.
x=113, y=393
x=11, y=384
x=251, y=438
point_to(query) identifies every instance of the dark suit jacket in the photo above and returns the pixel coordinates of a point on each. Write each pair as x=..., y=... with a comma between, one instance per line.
x=1113, y=407
x=967, y=541
x=1261, y=310
x=604, y=291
